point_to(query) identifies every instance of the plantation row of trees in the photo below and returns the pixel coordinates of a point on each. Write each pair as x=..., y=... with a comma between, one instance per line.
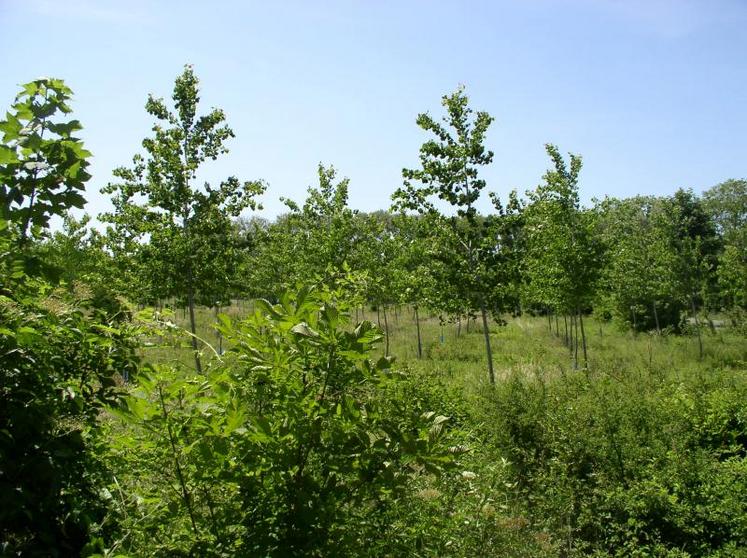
x=649, y=263
x=298, y=441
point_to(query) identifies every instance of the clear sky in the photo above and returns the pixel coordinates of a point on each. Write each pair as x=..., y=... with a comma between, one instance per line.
x=652, y=93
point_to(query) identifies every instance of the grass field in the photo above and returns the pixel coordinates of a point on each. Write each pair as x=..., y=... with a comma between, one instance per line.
x=523, y=345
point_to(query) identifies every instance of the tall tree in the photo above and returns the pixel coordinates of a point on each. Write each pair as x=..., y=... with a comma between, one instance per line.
x=449, y=166
x=562, y=262
x=157, y=203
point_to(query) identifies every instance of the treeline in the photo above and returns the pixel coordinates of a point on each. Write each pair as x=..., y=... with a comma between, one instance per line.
x=647, y=262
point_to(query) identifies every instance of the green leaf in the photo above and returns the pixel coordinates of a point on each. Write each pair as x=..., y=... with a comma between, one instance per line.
x=7, y=155
x=304, y=330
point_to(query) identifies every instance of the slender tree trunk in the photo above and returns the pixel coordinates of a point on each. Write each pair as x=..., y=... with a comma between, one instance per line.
x=186, y=496
x=468, y=324
x=583, y=340
x=386, y=331
x=459, y=326
x=417, y=325
x=549, y=319
x=557, y=326
x=192, y=321
x=656, y=318
x=220, y=337
x=697, y=327
x=567, y=340
x=709, y=321
x=486, y=333
x=378, y=315
x=575, y=342
x=635, y=322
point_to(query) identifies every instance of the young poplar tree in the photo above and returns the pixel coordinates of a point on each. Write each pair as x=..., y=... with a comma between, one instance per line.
x=157, y=204
x=449, y=172
x=42, y=164
x=413, y=270
x=562, y=261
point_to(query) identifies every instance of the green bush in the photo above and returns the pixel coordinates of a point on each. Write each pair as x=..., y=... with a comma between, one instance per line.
x=295, y=444
x=60, y=358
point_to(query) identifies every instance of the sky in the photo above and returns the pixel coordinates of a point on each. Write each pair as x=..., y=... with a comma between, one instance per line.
x=652, y=93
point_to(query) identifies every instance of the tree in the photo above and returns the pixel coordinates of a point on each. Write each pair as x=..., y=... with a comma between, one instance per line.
x=42, y=165
x=726, y=204
x=449, y=172
x=562, y=262
x=641, y=286
x=412, y=269
x=697, y=246
x=323, y=226
x=186, y=228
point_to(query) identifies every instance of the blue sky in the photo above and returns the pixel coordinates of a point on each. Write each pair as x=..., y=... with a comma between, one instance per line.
x=652, y=93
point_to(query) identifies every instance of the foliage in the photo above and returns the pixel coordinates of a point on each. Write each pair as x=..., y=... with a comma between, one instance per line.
x=189, y=230
x=296, y=444
x=60, y=358
x=42, y=165
x=641, y=286
x=627, y=466
x=562, y=256
x=449, y=171
x=726, y=204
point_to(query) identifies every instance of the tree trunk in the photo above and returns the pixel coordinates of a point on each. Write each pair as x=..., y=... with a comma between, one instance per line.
x=486, y=333
x=583, y=340
x=557, y=326
x=220, y=337
x=459, y=327
x=386, y=331
x=192, y=321
x=697, y=327
x=574, y=326
x=567, y=340
x=549, y=319
x=417, y=325
x=656, y=318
